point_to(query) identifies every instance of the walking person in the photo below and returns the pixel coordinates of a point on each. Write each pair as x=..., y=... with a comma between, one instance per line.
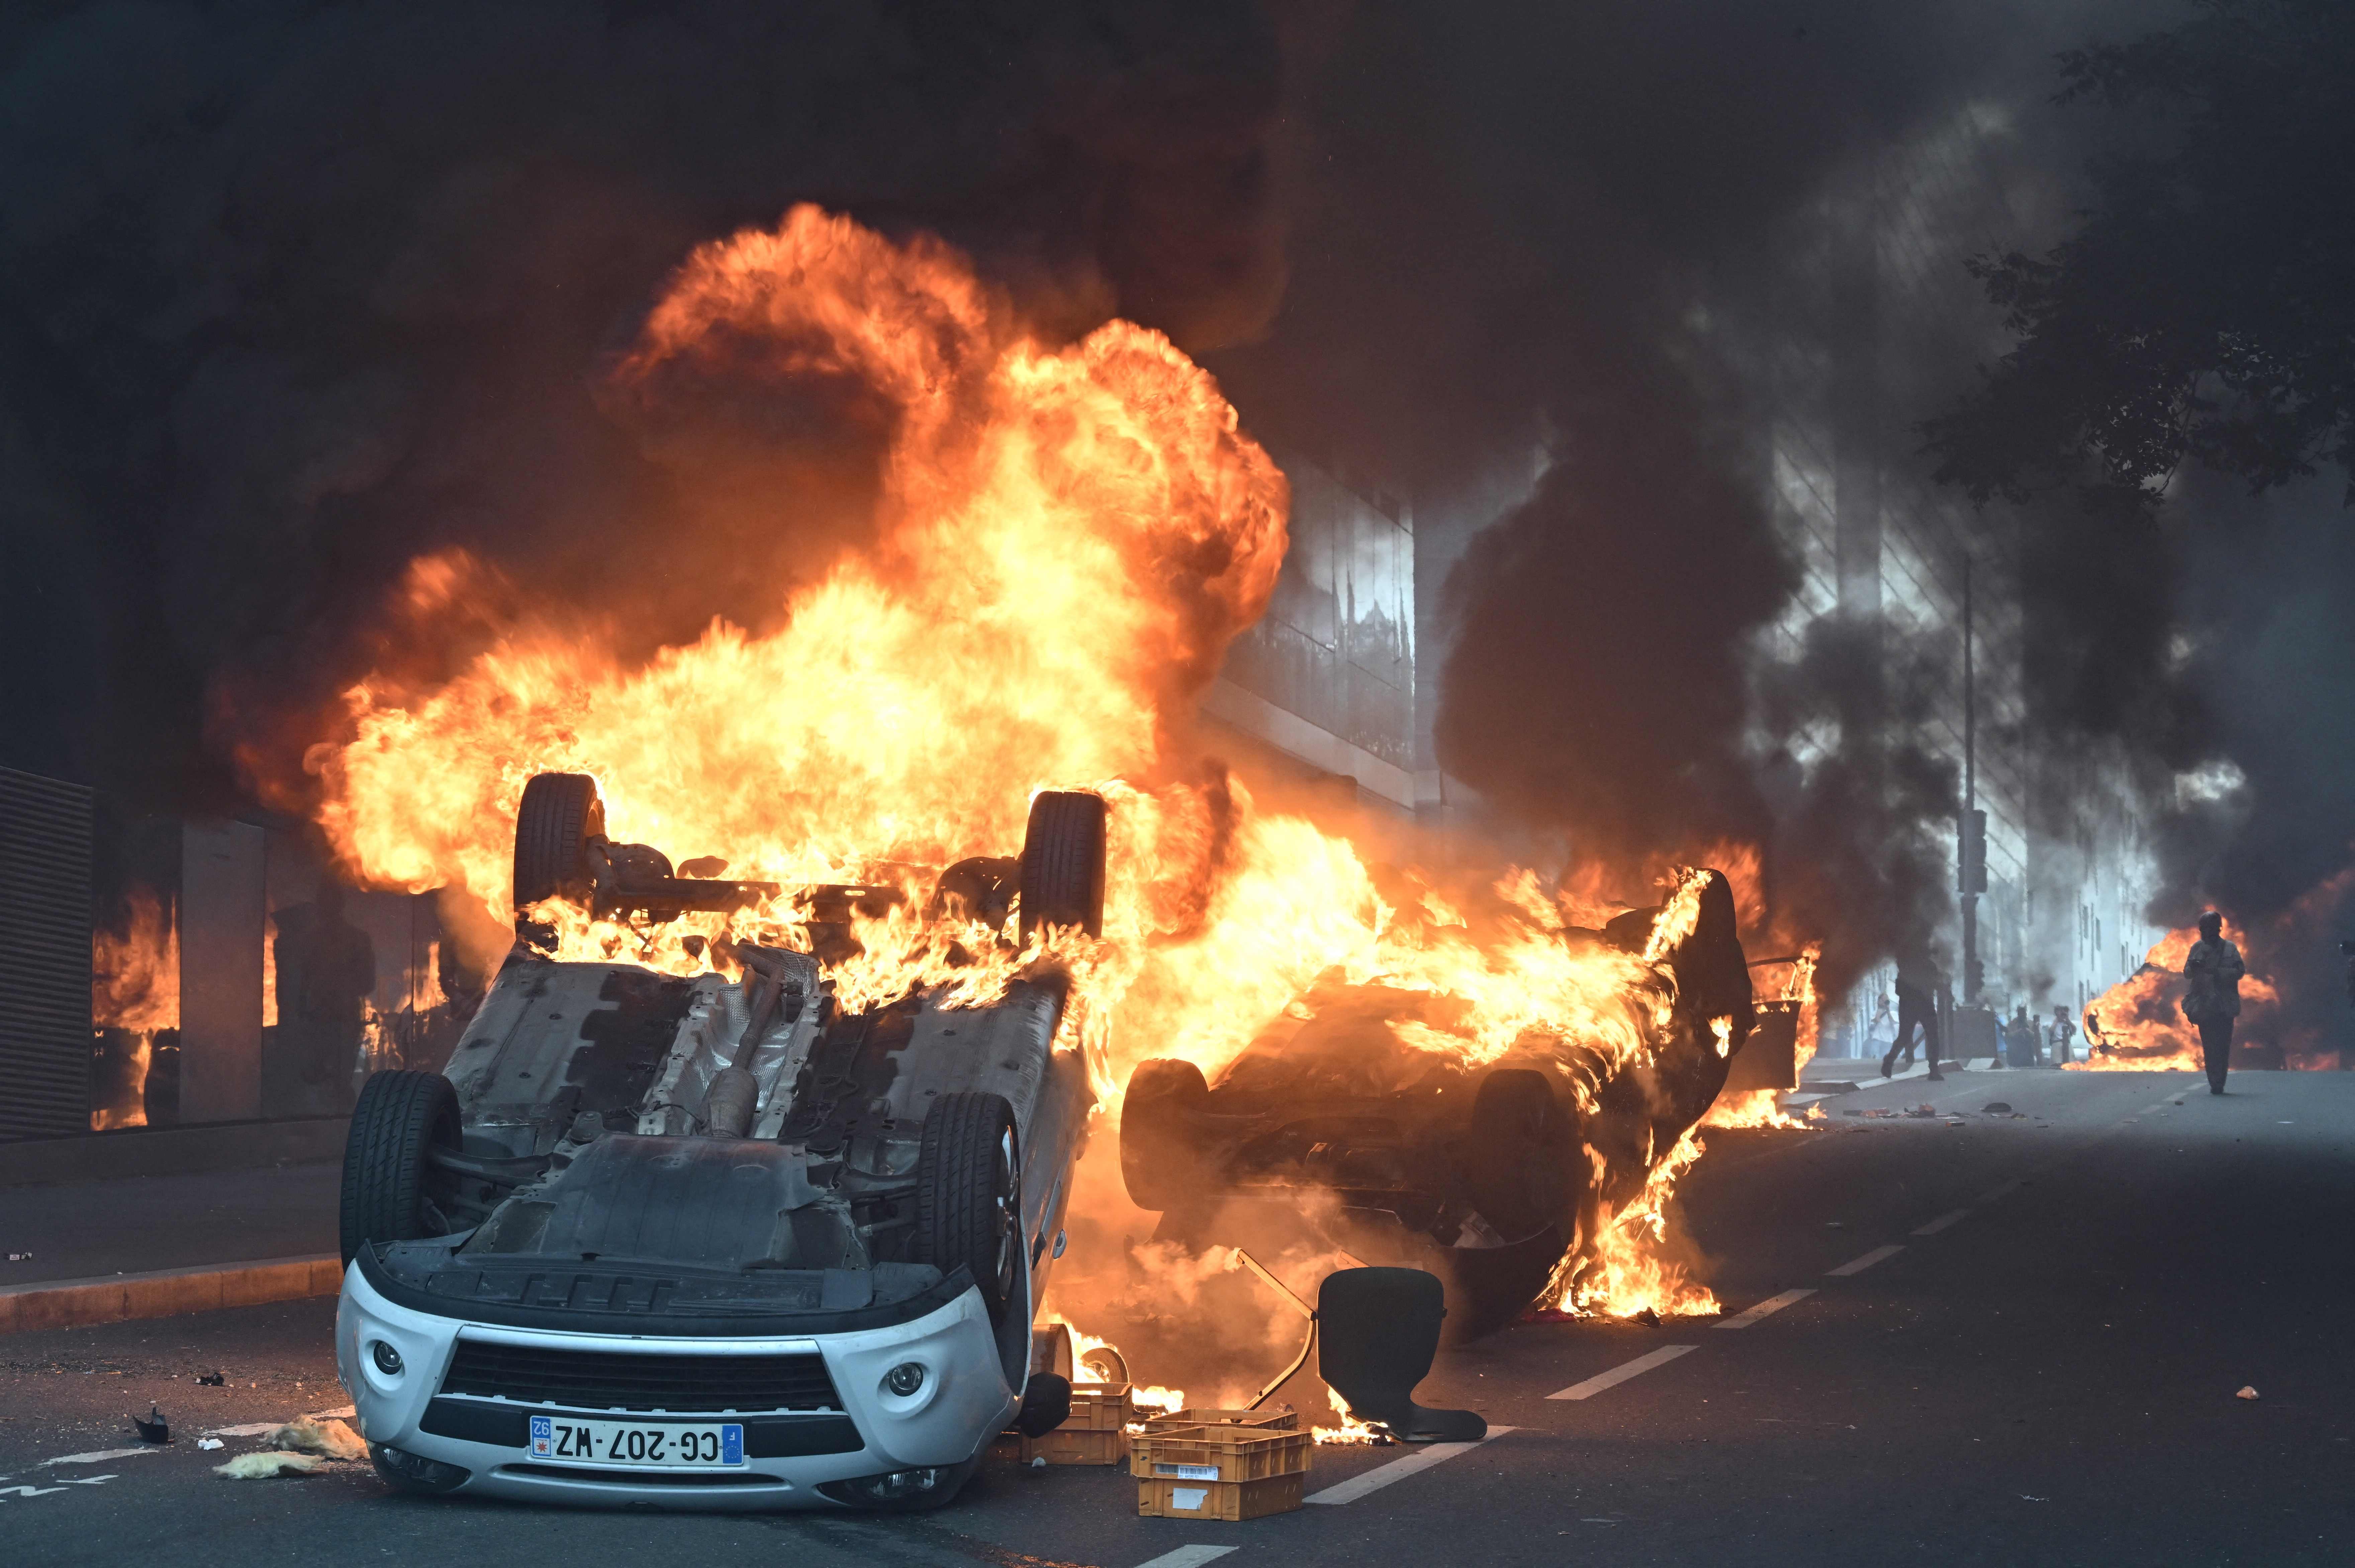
x=1915, y=1007
x=2211, y=996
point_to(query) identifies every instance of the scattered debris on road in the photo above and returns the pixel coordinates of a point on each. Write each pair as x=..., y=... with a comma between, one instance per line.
x=263, y=1465
x=20, y=1257
x=209, y=1379
x=328, y=1437
x=155, y=1428
x=208, y=1443
x=1996, y=1108
x=2247, y=1392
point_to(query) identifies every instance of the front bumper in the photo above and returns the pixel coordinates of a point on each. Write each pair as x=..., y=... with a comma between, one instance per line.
x=963, y=1403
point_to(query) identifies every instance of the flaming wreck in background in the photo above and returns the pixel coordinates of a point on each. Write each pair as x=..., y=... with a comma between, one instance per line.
x=134, y=1011
x=2138, y=1025
x=1066, y=538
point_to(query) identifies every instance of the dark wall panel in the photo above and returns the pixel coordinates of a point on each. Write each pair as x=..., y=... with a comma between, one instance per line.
x=45, y=924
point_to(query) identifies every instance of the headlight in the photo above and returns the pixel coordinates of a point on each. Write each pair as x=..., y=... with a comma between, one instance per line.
x=904, y=1379
x=387, y=1359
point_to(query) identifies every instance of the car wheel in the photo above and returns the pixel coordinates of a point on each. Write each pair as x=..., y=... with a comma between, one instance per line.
x=969, y=1195
x=1515, y=1152
x=388, y=1183
x=1157, y=1162
x=559, y=815
x=1063, y=863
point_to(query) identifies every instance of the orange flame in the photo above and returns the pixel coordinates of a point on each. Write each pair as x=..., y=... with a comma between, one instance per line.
x=135, y=987
x=1625, y=1271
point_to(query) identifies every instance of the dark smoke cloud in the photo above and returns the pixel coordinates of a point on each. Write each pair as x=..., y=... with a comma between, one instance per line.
x=1591, y=226
x=290, y=293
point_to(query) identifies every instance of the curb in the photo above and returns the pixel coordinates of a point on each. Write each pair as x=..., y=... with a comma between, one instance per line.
x=1807, y=1093
x=167, y=1292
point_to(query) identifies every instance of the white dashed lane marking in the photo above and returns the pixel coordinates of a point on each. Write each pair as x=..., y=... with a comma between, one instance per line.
x=1414, y=1464
x=1857, y=1265
x=100, y=1457
x=1620, y=1374
x=1188, y=1557
x=1942, y=1221
x=1767, y=1307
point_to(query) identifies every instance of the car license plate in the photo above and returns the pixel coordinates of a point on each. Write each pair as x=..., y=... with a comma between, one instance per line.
x=710, y=1448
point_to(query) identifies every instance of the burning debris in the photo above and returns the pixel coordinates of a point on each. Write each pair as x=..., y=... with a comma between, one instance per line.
x=2138, y=1025
x=1788, y=1030
x=134, y=1010
x=1069, y=536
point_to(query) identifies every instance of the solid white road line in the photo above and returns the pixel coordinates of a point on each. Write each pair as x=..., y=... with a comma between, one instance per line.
x=1188, y=1557
x=1617, y=1375
x=1857, y=1265
x=1942, y=1221
x=1773, y=1304
x=1414, y=1464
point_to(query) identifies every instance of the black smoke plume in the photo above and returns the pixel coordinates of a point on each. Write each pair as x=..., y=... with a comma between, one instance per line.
x=292, y=294
x=1597, y=229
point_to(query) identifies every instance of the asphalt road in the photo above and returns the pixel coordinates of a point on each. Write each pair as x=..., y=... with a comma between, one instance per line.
x=2020, y=1344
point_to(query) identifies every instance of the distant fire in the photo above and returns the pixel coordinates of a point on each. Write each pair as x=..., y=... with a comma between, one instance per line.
x=134, y=995
x=2138, y=1025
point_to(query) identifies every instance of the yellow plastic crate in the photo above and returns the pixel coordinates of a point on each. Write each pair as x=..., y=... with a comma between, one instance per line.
x=1234, y=1501
x=1099, y=1407
x=1218, y=1454
x=1080, y=1446
x=1278, y=1418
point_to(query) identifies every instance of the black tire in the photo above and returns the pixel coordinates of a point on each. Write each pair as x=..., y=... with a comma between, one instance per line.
x=1158, y=1161
x=559, y=815
x=1517, y=1153
x=1063, y=863
x=389, y=1189
x=969, y=1196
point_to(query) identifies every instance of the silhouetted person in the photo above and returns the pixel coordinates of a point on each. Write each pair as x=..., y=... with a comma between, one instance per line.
x=2021, y=1042
x=2211, y=998
x=326, y=973
x=2064, y=1030
x=1915, y=1008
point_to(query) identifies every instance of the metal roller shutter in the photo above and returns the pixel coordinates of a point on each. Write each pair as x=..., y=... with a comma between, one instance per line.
x=45, y=914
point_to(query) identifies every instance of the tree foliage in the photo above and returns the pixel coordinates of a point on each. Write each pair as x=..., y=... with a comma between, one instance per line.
x=2204, y=309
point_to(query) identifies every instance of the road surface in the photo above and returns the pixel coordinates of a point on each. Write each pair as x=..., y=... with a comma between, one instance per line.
x=2014, y=1340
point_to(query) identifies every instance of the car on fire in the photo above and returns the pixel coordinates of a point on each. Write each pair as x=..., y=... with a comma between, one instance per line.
x=1331, y=1127
x=708, y=1243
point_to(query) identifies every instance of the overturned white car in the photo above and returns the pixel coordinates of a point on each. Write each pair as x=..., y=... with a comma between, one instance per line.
x=710, y=1243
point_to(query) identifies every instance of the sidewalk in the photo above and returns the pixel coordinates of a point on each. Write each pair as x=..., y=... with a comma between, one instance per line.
x=1825, y=1080
x=150, y=1246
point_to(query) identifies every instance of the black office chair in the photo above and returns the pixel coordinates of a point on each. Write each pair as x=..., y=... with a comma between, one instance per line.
x=1378, y=1330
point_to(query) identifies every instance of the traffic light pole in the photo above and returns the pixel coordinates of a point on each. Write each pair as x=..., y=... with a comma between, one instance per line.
x=1970, y=837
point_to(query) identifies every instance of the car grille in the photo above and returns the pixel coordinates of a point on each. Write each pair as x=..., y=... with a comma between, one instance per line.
x=623, y=1380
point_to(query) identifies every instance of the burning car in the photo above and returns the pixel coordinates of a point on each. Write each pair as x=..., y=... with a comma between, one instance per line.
x=713, y=1243
x=1490, y=1174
